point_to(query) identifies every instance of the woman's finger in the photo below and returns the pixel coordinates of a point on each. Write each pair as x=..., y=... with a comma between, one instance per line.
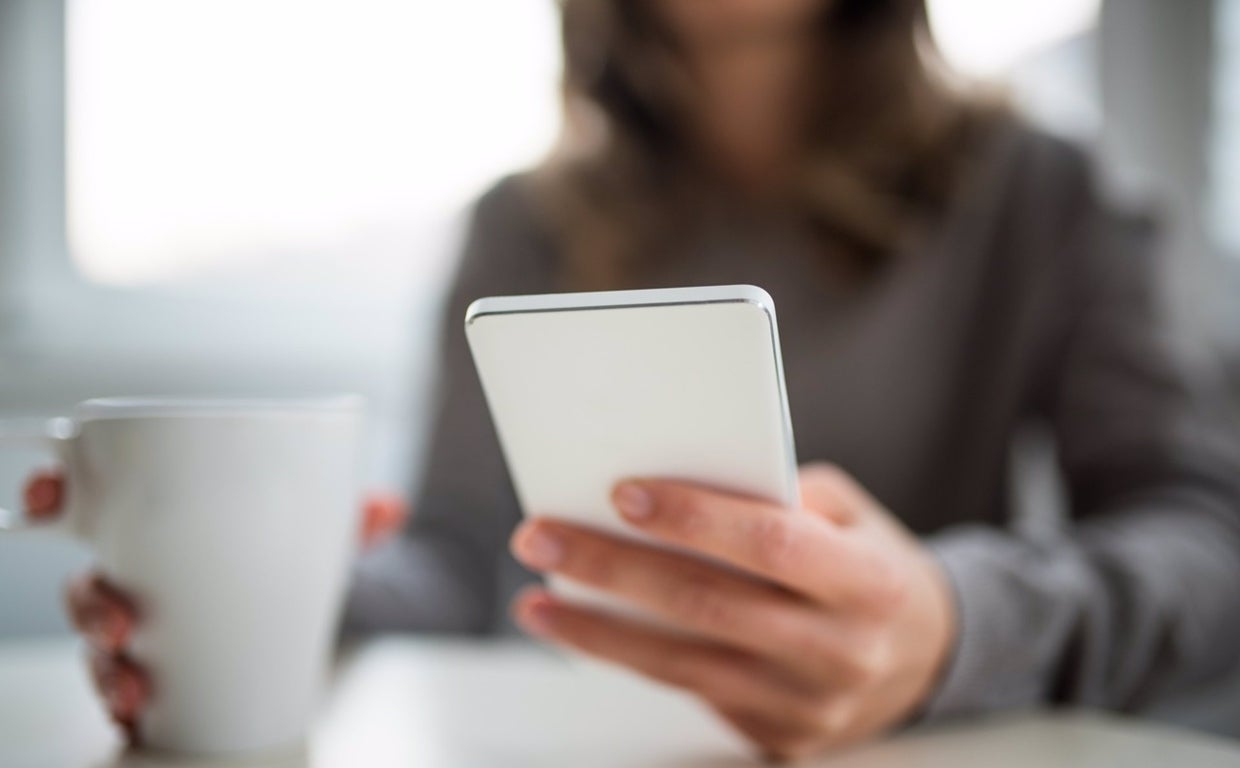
x=44, y=494
x=777, y=741
x=720, y=675
x=100, y=612
x=805, y=553
x=382, y=516
x=693, y=595
x=124, y=685
x=831, y=493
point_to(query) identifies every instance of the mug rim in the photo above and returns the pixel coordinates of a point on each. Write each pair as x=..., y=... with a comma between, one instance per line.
x=190, y=407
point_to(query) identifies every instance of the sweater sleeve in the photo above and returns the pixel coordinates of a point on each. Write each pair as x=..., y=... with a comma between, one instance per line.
x=444, y=573
x=1137, y=599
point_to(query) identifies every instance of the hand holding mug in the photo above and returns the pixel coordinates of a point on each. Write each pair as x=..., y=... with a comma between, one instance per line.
x=106, y=617
x=222, y=530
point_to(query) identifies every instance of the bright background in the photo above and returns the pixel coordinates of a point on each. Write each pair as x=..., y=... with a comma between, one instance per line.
x=366, y=129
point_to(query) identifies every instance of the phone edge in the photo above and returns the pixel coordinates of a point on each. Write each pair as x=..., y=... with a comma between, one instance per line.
x=720, y=294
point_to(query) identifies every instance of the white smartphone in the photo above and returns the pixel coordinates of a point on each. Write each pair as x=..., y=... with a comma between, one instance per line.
x=587, y=389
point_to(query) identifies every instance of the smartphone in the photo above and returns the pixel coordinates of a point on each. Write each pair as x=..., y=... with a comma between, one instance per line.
x=586, y=389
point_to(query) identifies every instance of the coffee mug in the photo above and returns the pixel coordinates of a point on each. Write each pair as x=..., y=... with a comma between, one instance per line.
x=231, y=524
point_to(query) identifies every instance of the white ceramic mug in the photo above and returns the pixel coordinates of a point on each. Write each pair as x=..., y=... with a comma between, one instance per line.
x=231, y=524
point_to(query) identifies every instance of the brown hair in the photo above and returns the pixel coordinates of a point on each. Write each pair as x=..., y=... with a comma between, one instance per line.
x=889, y=137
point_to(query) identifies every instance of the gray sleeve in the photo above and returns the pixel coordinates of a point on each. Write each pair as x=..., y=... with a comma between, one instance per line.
x=442, y=574
x=1140, y=597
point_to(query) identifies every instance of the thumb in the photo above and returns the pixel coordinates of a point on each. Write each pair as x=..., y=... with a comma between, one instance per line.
x=832, y=494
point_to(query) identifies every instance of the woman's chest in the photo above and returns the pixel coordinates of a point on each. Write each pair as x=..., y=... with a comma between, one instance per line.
x=883, y=378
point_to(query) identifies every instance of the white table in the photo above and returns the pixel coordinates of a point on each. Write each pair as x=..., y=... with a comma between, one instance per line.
x=440, y=704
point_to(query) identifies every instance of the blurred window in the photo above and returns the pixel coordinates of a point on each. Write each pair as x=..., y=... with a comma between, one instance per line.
x=1225, y=168
x=317, y=137
x=252, y=137
x=988, y=39
x=1041, y=52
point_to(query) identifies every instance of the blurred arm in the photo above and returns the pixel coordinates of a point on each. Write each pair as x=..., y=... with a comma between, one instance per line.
x=443, y=574
x=1139, y=597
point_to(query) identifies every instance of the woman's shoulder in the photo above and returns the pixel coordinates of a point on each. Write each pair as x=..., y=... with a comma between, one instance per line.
x=1057, y=219
x=507, y=245
x=1042, y=169
x=1051, y=151
x=1058, y=183
x=508, y=203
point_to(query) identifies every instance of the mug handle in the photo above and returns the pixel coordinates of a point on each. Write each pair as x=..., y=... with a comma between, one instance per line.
x=54, y=436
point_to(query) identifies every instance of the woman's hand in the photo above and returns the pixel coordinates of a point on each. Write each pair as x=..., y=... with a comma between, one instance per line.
x=827, y=626
x=106, y=617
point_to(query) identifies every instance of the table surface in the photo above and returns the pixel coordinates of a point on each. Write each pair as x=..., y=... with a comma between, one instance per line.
x=445, y=704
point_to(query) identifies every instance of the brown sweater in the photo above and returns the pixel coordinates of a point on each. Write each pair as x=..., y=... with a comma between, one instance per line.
x=1030, y=303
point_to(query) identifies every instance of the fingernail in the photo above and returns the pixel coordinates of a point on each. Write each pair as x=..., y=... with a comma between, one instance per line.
x=540, y=548
x=41, y=496
x=634, y=502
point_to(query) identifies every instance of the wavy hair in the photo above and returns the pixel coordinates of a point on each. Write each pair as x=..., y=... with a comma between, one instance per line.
x=888, y=137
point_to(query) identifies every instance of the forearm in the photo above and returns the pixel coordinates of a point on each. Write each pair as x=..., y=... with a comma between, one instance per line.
x=1130, y=606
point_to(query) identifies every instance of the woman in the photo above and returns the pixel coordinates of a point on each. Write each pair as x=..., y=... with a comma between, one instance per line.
x=945, y=277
